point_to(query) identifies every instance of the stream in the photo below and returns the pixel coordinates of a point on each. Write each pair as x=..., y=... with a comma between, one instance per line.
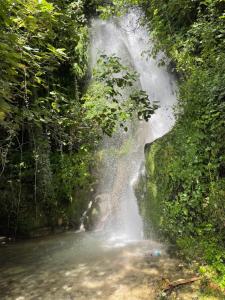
x=115, y=261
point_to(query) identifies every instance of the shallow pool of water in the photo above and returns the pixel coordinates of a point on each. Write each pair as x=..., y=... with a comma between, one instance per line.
x=82, y=266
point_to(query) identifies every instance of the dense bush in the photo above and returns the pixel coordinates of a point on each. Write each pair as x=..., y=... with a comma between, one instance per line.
x=43, y=57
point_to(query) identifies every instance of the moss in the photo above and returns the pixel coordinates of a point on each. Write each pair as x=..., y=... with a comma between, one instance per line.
x=180, y=204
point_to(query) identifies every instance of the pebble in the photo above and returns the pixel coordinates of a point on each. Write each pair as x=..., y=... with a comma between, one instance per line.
x=156, y=253
x=67, y=288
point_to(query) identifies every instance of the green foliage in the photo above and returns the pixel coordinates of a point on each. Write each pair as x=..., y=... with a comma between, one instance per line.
x=43, y=58
x=112, y=99
x=117, y=7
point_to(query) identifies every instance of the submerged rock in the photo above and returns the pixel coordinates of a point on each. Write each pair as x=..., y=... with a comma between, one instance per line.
x=39, y=232
x=3, y=240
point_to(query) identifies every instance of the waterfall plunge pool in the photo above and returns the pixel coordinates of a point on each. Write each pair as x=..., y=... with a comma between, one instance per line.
x=83, y=266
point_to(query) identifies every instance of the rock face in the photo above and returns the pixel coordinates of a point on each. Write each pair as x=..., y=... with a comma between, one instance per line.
x=147, y=189
x=3, y=240
x=101, y=213
x=39, y=232
x=147, y=147
x=91, y=215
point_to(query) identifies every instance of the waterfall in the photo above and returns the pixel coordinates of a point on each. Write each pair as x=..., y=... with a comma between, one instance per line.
x=123, y=155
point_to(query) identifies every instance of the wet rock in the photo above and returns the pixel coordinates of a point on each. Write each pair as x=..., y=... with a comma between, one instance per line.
x=60, y=229
x=156, y=253
x=60, y=221
x=3, y=240
x=39, y=232
x=67, y=288
x=147, y=147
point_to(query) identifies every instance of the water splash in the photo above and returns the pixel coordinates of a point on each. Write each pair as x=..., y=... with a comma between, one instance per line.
x=128, y=40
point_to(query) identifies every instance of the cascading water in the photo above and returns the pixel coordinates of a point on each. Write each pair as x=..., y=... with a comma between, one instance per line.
x=129, y=41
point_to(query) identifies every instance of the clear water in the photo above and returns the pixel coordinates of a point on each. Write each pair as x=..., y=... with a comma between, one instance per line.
x=81, y=267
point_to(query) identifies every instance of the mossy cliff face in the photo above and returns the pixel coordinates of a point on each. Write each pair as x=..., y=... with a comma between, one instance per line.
x=182, y=202
x=152, y=188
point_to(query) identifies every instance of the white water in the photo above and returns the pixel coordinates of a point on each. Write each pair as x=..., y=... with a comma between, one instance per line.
x=128, y=40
